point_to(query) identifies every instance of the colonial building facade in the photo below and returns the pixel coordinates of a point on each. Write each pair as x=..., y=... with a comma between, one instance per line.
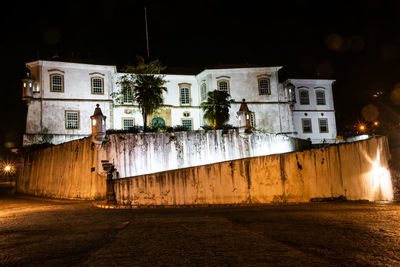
x=61, y=97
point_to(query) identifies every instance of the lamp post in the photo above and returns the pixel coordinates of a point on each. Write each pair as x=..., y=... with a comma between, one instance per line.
x=244, y=117
x=98, y=121
x=110, y=193
x=27, y=87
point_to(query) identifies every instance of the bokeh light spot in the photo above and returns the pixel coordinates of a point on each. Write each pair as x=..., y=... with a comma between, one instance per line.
x=395, y=94
x=52, y=36
x=389, y=52
x=325, y=70
x=370, y=112
x=333, y=41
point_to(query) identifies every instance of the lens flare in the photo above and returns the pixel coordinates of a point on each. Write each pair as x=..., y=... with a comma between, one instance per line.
x=380, y=180
x=7, y=168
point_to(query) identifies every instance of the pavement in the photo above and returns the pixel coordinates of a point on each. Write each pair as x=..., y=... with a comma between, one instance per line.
x=48, y=232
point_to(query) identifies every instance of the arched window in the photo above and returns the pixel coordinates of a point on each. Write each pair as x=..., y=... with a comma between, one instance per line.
x=127, y=94
x=97, y=85
x=304, y=98
x=264, y=86
x=320, y=97
x=203, y=91
x=184, y=89
x=157, y=122
x=57, y=83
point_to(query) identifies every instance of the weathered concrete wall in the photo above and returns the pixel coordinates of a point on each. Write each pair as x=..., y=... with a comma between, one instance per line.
x=356, y=170
x=74, y=170
x=69, y=170
x=154, y=152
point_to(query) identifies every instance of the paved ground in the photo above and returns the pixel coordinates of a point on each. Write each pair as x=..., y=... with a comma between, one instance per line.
x=35, y=231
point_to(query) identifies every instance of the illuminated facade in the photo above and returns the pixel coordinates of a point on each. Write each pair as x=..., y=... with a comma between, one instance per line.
x=61, y=97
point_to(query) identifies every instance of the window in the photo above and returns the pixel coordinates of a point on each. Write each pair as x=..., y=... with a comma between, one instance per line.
x=304, y=99
x=157, y=122
x=187, y=123
x=223, y=85
x=127, y=94
x=263, y=86
x=128, y=123
x=97, y=85
x=184, y=89
x=320, y=95
x=203, y=91
x=252, y=120
x=186, y=114
x=72, y=119
x=57, y=83
x=307, y=127
x=323, y=125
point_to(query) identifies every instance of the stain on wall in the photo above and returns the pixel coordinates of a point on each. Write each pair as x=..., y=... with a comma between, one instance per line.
x=358, y=174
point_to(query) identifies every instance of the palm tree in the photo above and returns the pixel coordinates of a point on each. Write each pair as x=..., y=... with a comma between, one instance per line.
x=216, y=108
x=147, y=84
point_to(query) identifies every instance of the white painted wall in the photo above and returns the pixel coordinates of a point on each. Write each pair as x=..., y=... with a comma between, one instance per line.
x=47, y=109
x=313, y=111
x=273, y=113
x=315, y=136
x=135, y=154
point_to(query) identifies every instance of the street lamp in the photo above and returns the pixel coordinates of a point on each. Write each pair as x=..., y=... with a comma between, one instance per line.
x=7, y=168
x=98, y=125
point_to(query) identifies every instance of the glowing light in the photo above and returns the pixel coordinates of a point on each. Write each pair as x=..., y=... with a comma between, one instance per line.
x=376, y=123
x=94, y=122
x=380, y=180
x=361, y=126
x=7, y=168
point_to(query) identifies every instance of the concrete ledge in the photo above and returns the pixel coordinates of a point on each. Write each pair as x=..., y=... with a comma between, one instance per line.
x=104, y=205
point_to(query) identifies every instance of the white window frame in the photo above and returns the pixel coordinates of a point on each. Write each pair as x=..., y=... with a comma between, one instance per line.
x=203, y=91
x=69, y=121
x=187, y=119
x=253, y=120
x=185, y=97
x=125, y=98
x=127, y=119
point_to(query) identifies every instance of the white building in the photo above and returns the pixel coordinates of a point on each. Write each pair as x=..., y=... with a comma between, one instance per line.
x=61, y=97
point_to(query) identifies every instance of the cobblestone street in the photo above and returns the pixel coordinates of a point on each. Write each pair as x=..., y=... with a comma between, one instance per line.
x=39, y=231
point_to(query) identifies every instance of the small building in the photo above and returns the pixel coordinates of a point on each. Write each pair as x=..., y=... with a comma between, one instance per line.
x=63, y=95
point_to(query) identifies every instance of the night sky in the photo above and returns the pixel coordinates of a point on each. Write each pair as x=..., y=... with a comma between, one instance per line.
x=354, y=42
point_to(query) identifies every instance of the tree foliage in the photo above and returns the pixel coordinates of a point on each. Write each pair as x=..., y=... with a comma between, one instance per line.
x=147, y=85
x=216, y=108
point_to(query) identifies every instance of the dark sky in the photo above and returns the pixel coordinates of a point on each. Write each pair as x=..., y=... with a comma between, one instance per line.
x=354, y=42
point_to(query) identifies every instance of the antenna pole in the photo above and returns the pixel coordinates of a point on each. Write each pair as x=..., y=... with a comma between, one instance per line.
x=147, y=34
